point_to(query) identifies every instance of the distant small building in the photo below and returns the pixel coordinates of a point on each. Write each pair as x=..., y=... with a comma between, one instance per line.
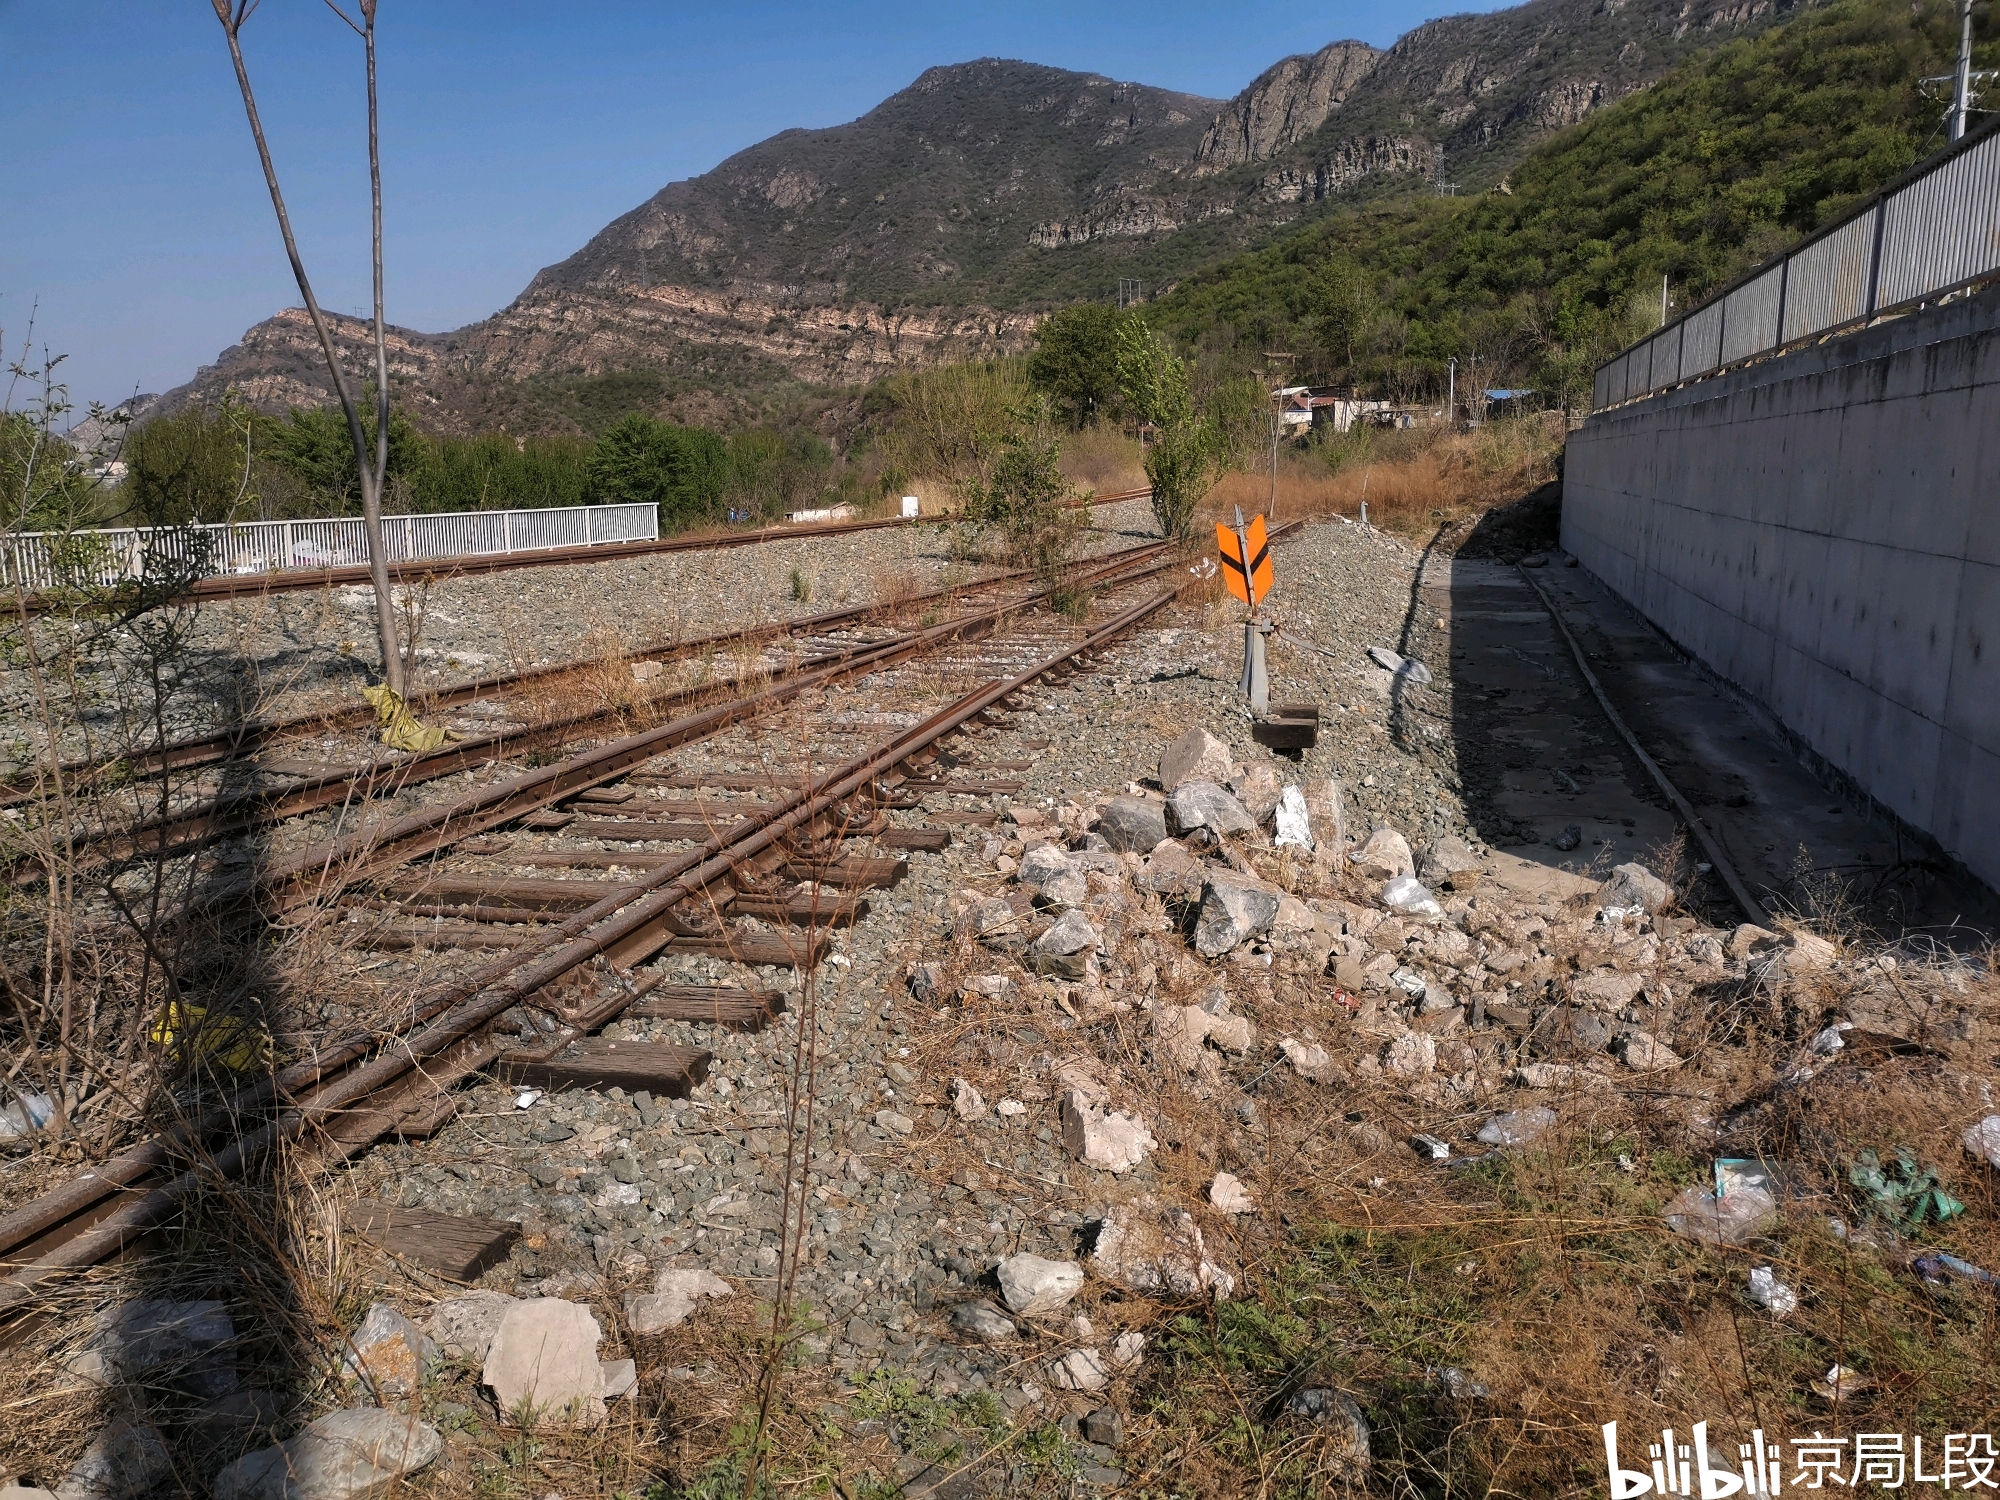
x=1328, y=408
x=841, y=512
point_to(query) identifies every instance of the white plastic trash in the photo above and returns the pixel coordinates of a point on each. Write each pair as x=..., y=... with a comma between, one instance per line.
x=912, y=507
x=1294, y=824
x=1767, y=1291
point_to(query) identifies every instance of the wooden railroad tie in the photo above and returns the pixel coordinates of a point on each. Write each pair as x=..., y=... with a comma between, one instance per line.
x=635, y=829
x=800, y=910
x=930, y=840
x=851, y=873
x=452, y=1245
x=969, y=819
x=759, y=949
x=520, y=892
x=595, y=1062
x=710, y=1004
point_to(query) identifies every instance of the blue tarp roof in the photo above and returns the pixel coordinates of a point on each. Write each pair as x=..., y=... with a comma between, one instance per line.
x=1506, y=395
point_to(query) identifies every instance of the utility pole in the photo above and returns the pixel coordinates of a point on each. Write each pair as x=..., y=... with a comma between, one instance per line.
x=1451, y=393
x=1961, y=95
x=1663, y=301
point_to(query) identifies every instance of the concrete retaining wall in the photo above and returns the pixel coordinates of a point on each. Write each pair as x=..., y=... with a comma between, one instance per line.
x=1823, y=531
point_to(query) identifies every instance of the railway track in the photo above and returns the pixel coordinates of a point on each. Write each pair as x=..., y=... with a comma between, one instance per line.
x=752, y=855
x=242, y=778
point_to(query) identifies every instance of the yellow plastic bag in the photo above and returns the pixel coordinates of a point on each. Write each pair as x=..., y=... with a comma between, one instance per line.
x=400, y=728
x=227, y=1041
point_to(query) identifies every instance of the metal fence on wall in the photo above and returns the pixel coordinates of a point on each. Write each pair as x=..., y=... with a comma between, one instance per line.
x=1934, y=231
x=43, y=559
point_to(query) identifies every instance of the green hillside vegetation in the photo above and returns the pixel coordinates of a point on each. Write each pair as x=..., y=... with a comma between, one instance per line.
x=1726, y=160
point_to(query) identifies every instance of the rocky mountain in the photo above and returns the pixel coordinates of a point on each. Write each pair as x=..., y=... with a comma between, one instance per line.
x=936, y=225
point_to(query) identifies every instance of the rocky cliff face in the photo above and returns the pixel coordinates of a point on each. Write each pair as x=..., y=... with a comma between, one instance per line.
x=1287, y=103
x=932, y=226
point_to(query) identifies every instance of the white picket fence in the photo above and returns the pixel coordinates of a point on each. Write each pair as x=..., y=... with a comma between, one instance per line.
x=45, y=559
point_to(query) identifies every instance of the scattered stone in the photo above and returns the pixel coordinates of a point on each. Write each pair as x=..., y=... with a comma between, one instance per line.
x=1104, y=1426
x=542, y=1366
x=1203, y=804
x=1081, y=1370
x=1567, y=840
x=1292, y=820
x=1447, y=859
x=1234, y=908
x=1338, y=1413
x=966, y=1101
x=1606, y=989
x=1172, y=871
x=983, y=1321
x=1634, y=885
x=1411, y=1055
x=1056, y=879
x=1178, y=1031
x=1386, y=856
x=1009, y=1108
x=677, y=1291
x=1233, y=1034
x=1066, y=948
x=1460, y=1385
x=1748, y=939
x=1258, y=788
x=1542, y=1075
x=1034, y=1287
x=1195, y=756
x=126, y=1460
x=348, y=1455
x=1229, y=1195
x=1808, y=952
x=1311, y=1061
x=1112, y=1142
x=1132, y=824
x=621, y=1377
x=1517, y=1127
x=1643, y=1052
x=1128, y=1350
x=927, y=983
x=389, y=1354
x=1157, y=1253
x=1408, y=897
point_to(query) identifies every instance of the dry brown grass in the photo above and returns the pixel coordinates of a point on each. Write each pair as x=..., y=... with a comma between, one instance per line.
x=1102, y=459
x=1413, y=480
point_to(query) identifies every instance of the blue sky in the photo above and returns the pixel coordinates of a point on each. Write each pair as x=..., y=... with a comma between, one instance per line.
x=134, y=214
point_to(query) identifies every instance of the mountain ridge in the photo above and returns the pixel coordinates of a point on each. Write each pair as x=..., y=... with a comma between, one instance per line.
x=939, y=223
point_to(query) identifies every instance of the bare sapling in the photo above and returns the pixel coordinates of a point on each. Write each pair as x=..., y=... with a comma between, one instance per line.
x=371, y=460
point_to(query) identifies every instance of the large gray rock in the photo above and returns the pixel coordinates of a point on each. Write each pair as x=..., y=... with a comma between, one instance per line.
x=1172, y=871
x=1066, y=948
x=1234, y=908
x=1054, y=876
x=389, y=1354
x=1447, y=857
x=348, y=1455
x=1111, y=1142
x=1634, y=885
x=1386, y=855
x=1035, y=1287
x=125, y=1460
x=542, y=1367
x=1340, y=1417
x=983, y=1321
x=1257, y=787
x=464, y=1325
x=1195, y=756
x=676, y=1293
x=1203, y=804
x=1132, y=825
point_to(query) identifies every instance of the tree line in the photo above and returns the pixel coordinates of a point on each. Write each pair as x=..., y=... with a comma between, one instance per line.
x=221, y=461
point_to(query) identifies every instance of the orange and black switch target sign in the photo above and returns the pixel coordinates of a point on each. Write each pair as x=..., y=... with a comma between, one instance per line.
x=1249, y=579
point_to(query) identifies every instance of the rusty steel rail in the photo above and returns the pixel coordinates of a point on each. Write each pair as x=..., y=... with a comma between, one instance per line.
x=626, y=926
x=252, y=807
x=440, y=569
x=247, y=739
